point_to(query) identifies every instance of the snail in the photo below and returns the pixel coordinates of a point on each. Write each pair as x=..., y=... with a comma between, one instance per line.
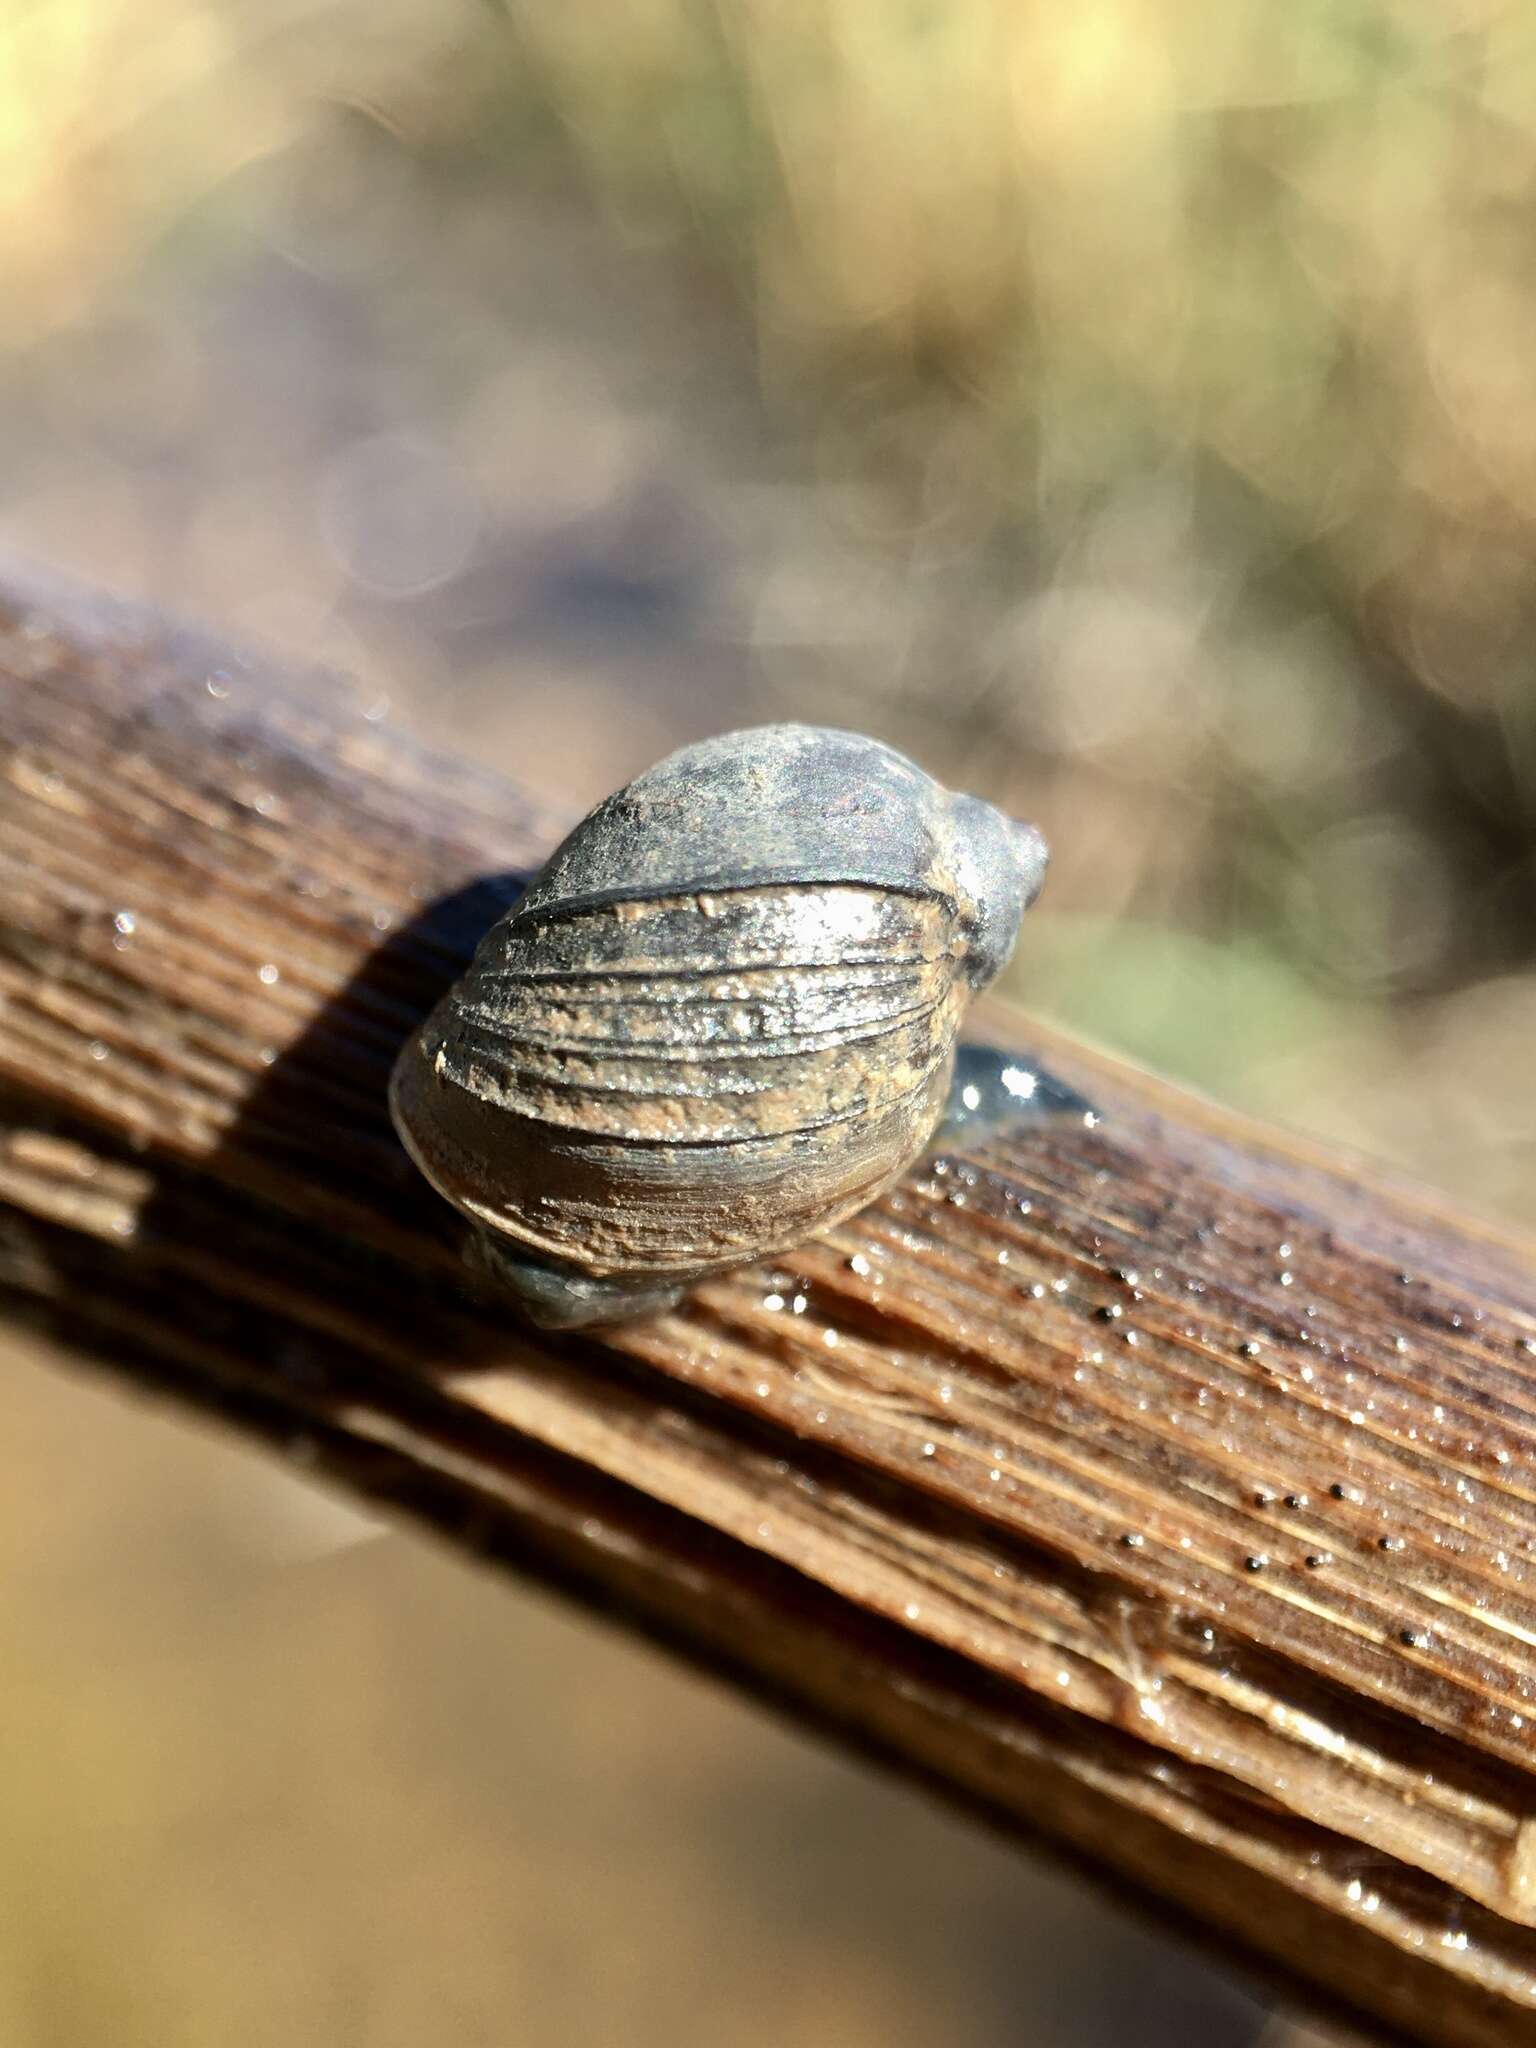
x=721, y=1018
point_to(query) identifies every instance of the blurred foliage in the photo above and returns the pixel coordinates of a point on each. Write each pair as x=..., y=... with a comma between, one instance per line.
x=1246, y=290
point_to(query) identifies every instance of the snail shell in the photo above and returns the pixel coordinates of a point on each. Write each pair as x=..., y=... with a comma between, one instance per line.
x=721, y=1018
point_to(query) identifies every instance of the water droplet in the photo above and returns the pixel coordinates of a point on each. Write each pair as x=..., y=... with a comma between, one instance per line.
x=1340, y=1491
x=98, y=1051
x=1110, y=1312
x=797, y=1306
x=1415, y=1638
x=126, y=923
x=860, y=1265
x=1133, y=1539
x=930, y=1450
x=1248, y=1348
x=1297, y=1500
x=1287, y=1279
x=1316, y=1559
x=971, y=1097
x=912, y=1610
x=773, y=1303
x=763, y=1390
x=1257, y=1561
x=218, y=684
x=268, y=1055
x=267, y=973
x=831, y=1339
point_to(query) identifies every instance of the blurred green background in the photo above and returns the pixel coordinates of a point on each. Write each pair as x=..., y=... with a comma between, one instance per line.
x=1124, y=408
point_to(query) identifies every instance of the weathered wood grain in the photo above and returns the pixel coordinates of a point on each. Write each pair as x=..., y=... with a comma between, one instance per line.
x=1163, y=1484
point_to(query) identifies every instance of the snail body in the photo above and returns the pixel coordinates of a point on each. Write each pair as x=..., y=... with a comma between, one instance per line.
x=721, y=1018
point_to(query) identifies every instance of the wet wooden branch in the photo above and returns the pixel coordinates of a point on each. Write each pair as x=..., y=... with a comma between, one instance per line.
x=1158, y=1483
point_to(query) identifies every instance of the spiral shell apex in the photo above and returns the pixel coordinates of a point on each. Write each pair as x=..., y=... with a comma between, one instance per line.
x=721, y=1018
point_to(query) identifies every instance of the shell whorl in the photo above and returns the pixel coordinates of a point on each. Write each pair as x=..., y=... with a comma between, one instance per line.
x=800, y=804
x=721, y=1018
